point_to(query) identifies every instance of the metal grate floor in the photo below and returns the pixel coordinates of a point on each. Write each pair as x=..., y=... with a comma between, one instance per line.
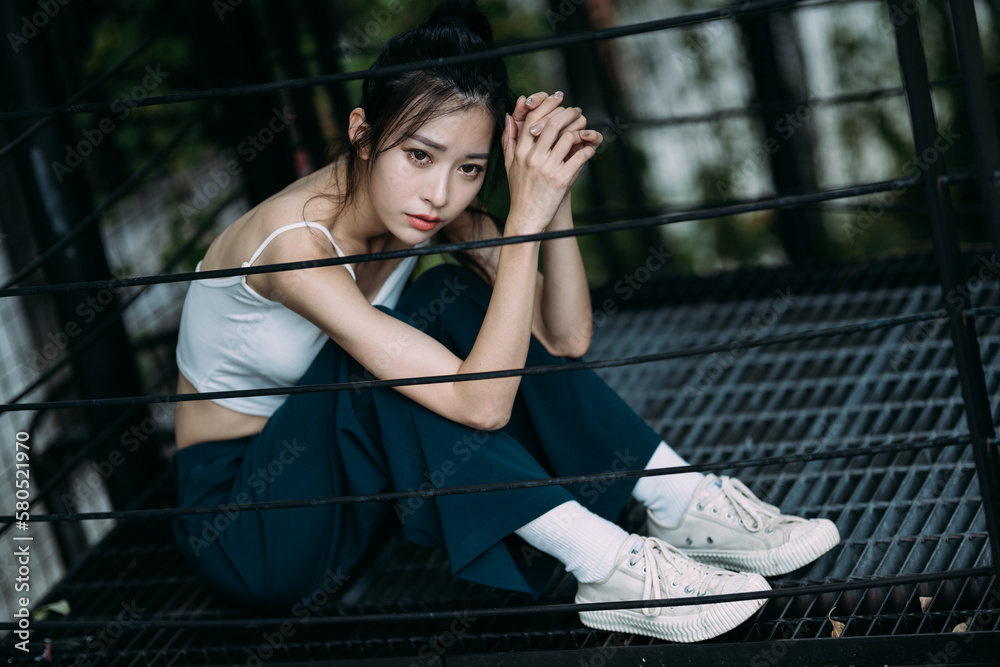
x=909, y=512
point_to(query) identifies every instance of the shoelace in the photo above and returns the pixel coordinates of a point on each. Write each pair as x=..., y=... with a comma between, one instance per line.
x=655, y=586
x=754, y=513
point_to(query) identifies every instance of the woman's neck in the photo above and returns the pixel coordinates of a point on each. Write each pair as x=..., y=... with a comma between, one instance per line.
x=358, y=226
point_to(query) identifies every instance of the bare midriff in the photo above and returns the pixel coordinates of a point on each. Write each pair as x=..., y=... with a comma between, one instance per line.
x=204, y=421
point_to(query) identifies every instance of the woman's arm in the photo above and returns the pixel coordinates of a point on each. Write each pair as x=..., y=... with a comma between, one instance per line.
x=563, y=295
x=562, y=320
x=540, y=174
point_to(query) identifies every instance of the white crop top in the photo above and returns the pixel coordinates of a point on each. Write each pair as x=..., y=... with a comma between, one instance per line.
x=232, y=338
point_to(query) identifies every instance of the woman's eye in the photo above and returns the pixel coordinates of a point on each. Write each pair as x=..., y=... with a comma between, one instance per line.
x=474, y=171
x=418, y=155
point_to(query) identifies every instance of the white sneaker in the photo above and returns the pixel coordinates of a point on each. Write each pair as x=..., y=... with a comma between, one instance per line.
x=648, y=569
x=728, y=526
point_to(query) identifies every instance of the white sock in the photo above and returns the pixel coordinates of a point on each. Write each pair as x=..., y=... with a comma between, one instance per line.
x=667, y=496
x=583, y=541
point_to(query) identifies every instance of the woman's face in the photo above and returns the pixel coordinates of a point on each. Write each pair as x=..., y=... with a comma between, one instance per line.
x=426, y=181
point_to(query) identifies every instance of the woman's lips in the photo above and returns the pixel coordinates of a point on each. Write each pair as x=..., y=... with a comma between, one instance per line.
x=421, y=224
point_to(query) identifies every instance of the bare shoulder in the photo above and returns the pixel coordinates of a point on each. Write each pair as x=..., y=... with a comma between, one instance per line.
x=243, y=236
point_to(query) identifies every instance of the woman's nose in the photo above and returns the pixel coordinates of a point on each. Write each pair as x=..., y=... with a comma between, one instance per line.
x=436, y=190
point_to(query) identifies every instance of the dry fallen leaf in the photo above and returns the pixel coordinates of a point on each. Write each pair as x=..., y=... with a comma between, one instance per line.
x=60, y=607
x=838, y=627
x=925, y=603
x=963, y=627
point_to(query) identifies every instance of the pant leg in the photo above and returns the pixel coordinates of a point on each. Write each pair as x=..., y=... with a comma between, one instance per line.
x=315, y=445
x=353, y=442
x=571, y=421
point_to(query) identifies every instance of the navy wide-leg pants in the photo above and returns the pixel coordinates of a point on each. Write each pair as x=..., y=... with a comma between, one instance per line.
x=369, y=441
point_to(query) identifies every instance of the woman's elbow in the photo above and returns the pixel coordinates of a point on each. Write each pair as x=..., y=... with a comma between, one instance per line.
x=576, y=348
x=571, y=346
x=488, y=418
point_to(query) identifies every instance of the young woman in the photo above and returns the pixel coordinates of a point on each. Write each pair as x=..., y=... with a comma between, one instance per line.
x=411, y=168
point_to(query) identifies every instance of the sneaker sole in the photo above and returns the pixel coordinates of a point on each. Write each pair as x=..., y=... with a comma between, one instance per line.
x=711, y=621
x=786, y=558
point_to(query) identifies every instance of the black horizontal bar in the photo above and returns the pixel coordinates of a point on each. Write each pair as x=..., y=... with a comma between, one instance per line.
x=167, y=512
x=649, y=221
x=871, y=325
x=760, y=8
x=164, y=26
x=127, y=186
x=813, y=589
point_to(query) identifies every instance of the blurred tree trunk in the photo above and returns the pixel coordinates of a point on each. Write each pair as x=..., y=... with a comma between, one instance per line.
x=53, y=199
x=323, y=17
x=279, y=26
x=615, y=183
x=231, y=47
x=779, y=77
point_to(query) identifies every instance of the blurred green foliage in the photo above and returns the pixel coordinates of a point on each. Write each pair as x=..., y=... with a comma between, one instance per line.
x=870, y=140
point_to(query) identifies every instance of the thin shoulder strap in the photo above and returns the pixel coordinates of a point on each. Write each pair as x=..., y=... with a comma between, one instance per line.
x=296, y=225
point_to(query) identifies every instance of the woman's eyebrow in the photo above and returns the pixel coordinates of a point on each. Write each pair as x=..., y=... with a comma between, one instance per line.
x=439, y=147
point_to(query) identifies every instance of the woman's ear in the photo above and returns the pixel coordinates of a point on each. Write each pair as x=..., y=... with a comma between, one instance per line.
x=357, y=128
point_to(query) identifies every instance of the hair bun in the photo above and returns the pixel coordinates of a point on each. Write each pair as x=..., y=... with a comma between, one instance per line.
x=465, y=14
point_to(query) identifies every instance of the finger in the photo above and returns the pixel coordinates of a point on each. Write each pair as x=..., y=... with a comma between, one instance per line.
x=521, y=107
x=548, y=131
x=548, y=109
x=595, y=140
x=579, y=125
x=507, y=141
x=592, y=137
x=524, y=105
x=542, y=106
x=576, y=161
x=577, y=122
x=562, y=147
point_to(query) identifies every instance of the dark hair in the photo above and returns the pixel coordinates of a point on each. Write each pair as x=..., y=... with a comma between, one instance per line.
x=397, y=106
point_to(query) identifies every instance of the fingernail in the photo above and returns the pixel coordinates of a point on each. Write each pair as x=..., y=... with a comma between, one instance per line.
x=578, y=109
x=535, y=129
x=558, y=93
x=530, y=101
x=585, y=133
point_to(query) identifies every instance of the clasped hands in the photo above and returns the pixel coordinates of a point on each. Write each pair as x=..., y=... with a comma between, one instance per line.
x=544, y=152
